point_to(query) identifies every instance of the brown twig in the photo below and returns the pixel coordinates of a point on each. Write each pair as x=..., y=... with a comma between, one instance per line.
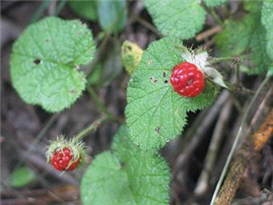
x=197, y=131
x=208, y=33
x=248, y=150
x=203, y=181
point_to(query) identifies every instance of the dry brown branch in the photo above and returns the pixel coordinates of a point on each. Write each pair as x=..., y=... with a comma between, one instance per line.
x=248, y=150
x=208, y=33
x=203, y=181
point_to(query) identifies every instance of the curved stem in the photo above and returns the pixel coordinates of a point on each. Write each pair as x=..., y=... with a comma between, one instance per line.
x=219, y=183
x=148, y=25
x=101, y=105
x=37, y=139
x=92, y=128
x=216, y=17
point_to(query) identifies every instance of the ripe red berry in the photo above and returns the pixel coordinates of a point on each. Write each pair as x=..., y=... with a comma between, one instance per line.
x=64, y=154
x=63, y=160
x=187, y=80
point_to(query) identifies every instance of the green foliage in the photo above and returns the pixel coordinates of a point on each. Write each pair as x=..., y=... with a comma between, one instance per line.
x=45, y=60
x=112, y=15
x=22, y=176
x=259, y=55
x=252, y=6
x=95, y=77
x=110, y=62
x=270, y=71
x=212, y=3
x=267, y=21
x=86, y=9
x=181, y=19
x=236, y=36
x=126, y=176
x=247, y=35
x=155, y=113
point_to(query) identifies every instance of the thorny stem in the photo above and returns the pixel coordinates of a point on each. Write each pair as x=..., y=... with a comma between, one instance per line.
x=236, y=62
x=219, y=183
x=238, y=87
x=92, y=128
x=218, y=60
x=101, y=105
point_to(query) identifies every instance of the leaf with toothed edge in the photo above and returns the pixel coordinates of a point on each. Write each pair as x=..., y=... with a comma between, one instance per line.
x=155, y=112
x=267, y=21
x=248, y=34
x=45, y=60
x=127, y=174
x=180, y=19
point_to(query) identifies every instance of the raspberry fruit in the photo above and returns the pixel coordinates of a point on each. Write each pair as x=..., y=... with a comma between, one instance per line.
x=65, y=155
x=187, y=80
x=62, y=160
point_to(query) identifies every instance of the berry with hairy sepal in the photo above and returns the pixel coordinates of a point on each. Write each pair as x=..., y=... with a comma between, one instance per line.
x=65, y=155
x=187, y=80
x=62, y=160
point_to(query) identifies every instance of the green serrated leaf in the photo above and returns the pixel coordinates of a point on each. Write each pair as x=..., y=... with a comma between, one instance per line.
x=112, y=14
x=267, y=21
x=259, y=55
x=181, y=19
x=86, y=9
x=155, y=113
x=252, y=6
x=213, y=3
x=247, y=34
x=127, y=176
x=236, y=36
x=22, y=176
x=45, y=60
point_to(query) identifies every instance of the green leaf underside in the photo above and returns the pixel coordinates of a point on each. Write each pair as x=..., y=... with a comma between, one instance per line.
x=213, y=3
x=267, y=21
x=239, y=36
x=22, y=177
x=126, y=176
x=86, y=9
x=155, y=113
x=112, y=15
x=181, y=19
x=44, y=62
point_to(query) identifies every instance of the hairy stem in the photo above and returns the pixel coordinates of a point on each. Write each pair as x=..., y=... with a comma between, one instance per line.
x=92, y=128
x=100, y=104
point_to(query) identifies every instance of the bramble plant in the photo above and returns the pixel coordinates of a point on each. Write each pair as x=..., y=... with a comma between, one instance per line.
x=167, y=80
